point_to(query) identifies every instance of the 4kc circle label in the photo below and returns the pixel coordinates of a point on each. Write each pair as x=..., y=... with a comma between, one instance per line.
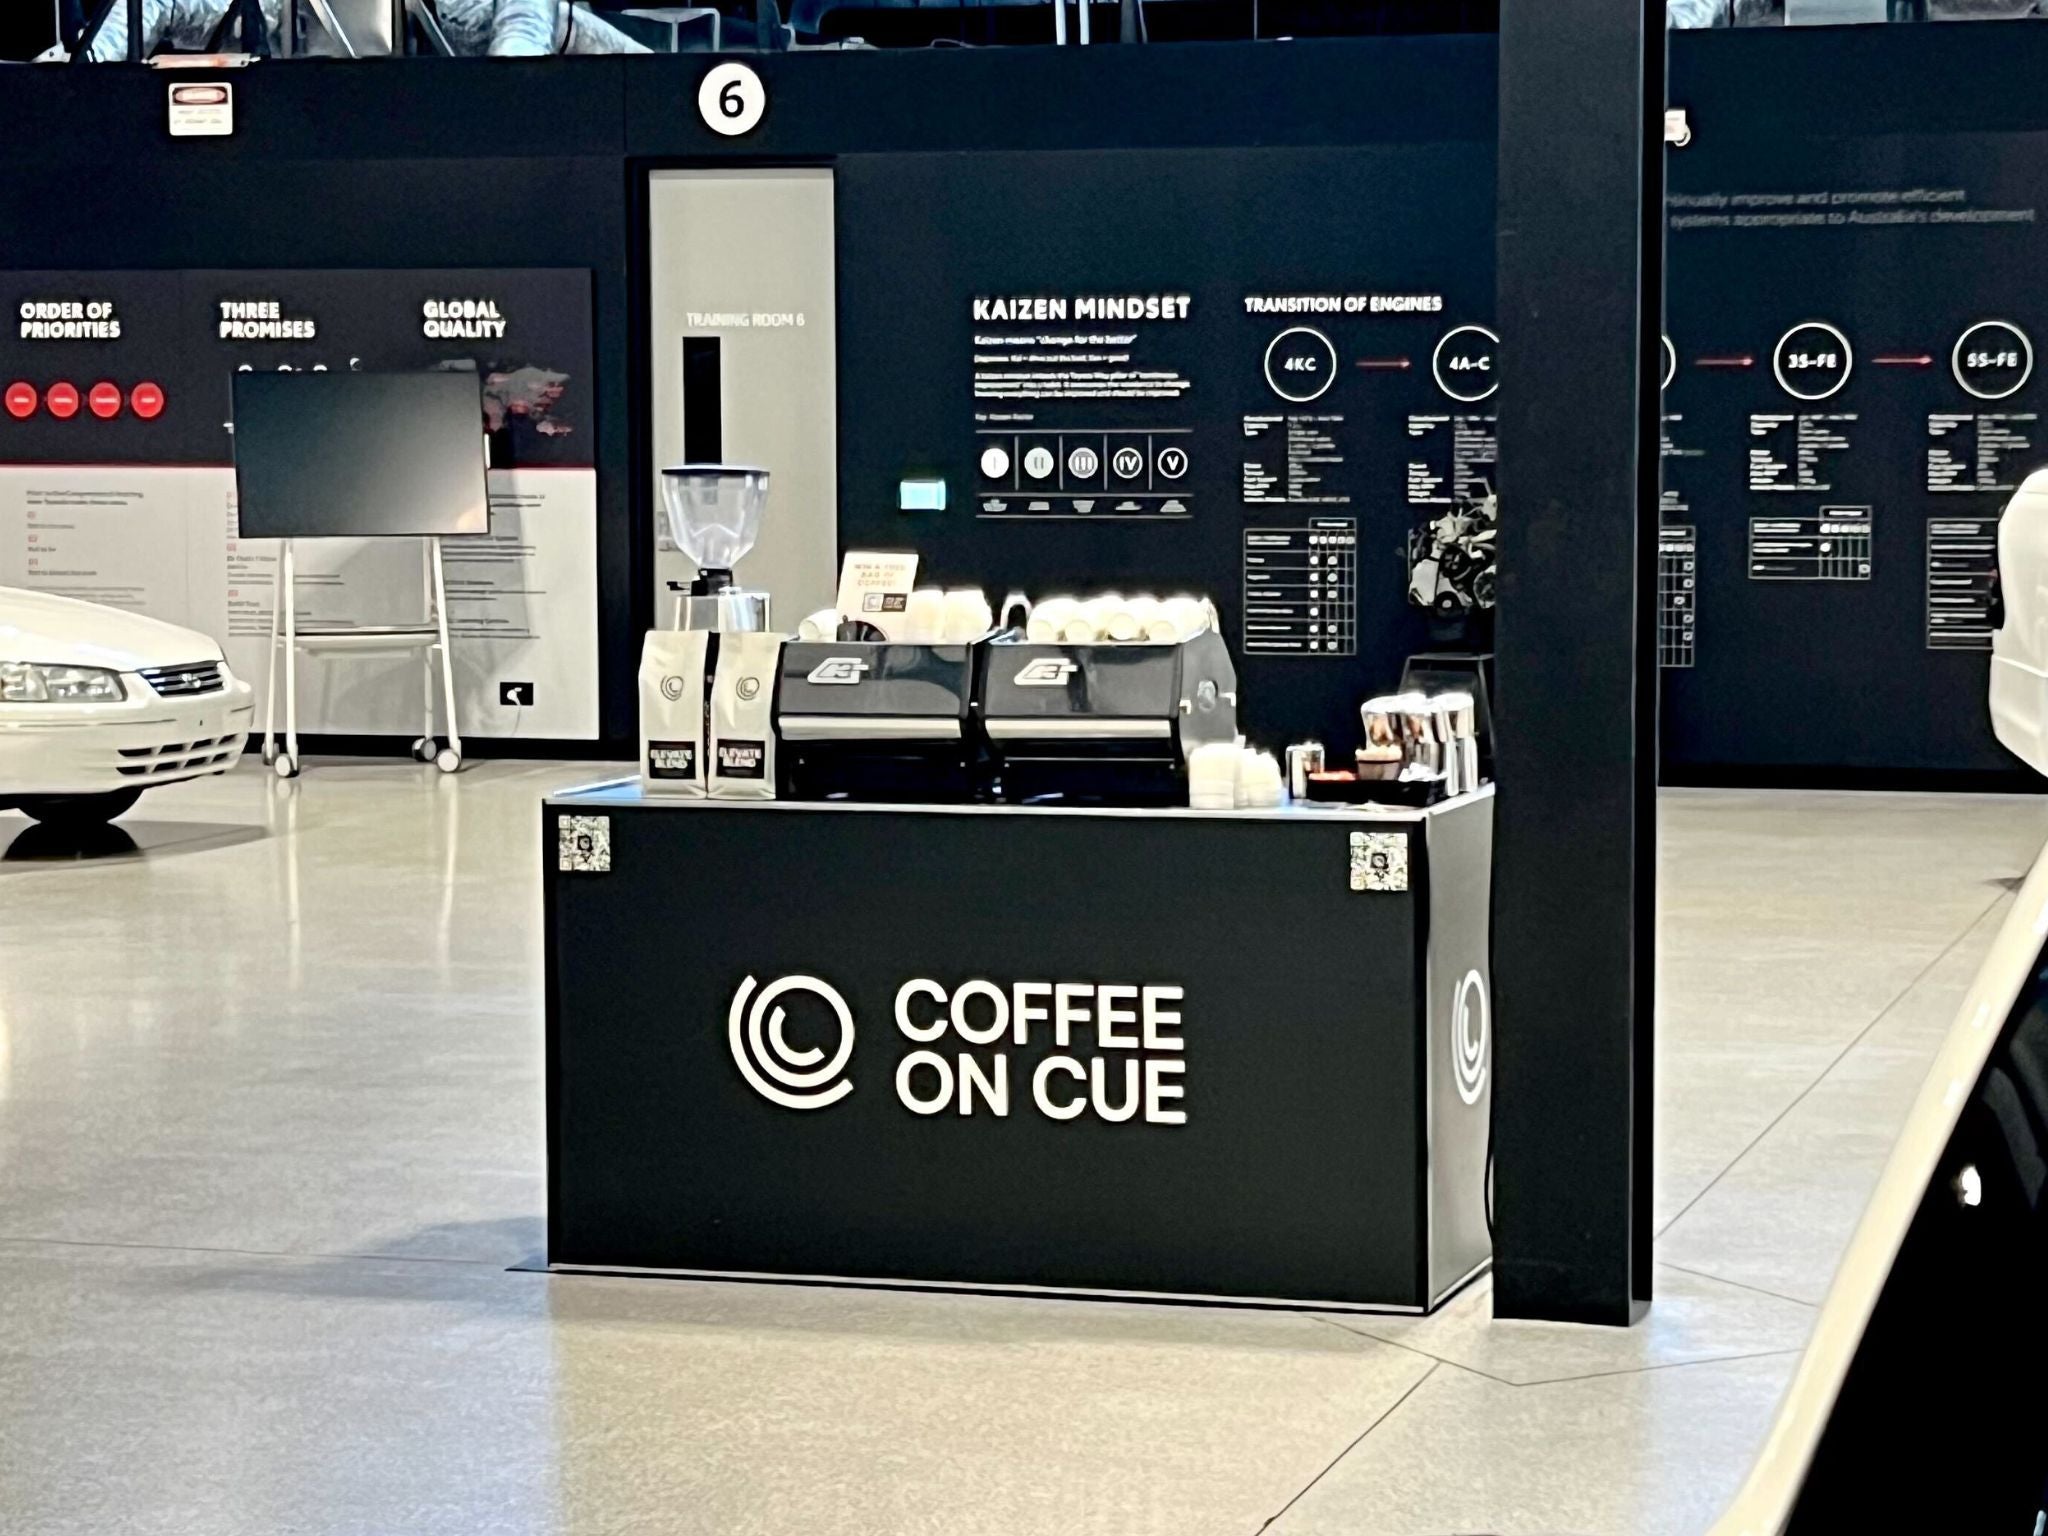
x=1301, y=364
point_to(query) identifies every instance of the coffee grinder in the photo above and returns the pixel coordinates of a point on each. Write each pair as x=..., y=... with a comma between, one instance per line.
x=714, y=517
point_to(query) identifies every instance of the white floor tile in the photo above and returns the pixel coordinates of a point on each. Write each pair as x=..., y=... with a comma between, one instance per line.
x=1694, y=1319
x=1654, y=1453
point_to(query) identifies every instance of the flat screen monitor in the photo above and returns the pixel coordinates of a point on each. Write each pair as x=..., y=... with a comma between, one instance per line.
x=360, y=455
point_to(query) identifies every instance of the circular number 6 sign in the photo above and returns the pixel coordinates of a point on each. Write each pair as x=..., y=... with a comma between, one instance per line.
x=731, y=100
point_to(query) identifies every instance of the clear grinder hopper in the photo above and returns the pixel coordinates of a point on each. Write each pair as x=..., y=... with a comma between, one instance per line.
x=714, y=517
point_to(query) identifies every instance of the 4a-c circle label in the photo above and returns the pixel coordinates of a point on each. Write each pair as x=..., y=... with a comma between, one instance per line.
x=1464, y=364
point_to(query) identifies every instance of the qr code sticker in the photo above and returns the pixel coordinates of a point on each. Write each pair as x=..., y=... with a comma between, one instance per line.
x=1379, y=861
x=584, y=845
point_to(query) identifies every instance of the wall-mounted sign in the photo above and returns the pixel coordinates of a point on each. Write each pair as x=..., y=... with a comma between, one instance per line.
x=202, y=109
x=731, y=100
x=117, y=481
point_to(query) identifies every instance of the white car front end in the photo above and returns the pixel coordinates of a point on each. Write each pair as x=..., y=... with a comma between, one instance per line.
x=2019, y=645
x=97, y=700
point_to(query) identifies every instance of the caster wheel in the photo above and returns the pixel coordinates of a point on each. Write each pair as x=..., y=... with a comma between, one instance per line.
x=423, y=749
x=269, y=753
x=285, y=766
x=448, y=760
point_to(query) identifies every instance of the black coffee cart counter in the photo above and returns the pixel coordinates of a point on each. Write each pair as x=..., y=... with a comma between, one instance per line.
x=1234, y=1055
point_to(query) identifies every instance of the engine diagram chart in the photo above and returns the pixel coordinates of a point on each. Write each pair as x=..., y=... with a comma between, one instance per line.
x=1301, y=589
x=1832, y=545
x=1962, y=577
x=1677, y=593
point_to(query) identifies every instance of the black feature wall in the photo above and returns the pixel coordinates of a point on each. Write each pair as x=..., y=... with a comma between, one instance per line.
x=1186, y=473
x=1218, y=174
x=1275, y=165
x=1343, y=166
x=1855, y=307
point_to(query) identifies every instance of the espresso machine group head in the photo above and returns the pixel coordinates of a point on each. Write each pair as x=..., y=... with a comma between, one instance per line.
x=714, y=516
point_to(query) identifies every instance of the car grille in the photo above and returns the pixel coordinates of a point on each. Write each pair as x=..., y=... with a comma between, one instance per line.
x=183, y=681
x=180, y=759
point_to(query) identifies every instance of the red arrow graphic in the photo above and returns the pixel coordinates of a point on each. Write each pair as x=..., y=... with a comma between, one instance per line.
x=1383, y=362
x=1922, y=361
x=1725, y=362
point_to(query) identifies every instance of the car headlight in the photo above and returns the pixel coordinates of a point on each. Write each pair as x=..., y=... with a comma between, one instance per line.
x=27, y=682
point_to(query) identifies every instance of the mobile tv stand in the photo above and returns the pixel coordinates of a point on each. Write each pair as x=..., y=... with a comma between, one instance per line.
x=429, y=637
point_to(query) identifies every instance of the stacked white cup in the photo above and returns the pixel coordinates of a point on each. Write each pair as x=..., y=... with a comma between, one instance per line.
x=1115, y=619
x=1212, y=776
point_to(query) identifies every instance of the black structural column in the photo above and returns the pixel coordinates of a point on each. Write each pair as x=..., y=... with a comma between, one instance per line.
x=1581, y=293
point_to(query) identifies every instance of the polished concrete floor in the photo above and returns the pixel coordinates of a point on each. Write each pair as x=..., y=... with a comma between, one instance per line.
x=270, y=1149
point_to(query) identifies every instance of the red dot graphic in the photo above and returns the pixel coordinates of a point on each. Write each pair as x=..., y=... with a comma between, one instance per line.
x=21, y=400
x=146, y=400
x=62, y=401
x=105, y=400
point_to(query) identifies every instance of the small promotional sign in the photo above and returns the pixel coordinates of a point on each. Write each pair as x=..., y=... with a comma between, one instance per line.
x=874, y=588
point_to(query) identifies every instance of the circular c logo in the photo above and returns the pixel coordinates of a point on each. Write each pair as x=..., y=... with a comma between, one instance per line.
x=778, y=1071
x=671, y=688
x=1471, y=1036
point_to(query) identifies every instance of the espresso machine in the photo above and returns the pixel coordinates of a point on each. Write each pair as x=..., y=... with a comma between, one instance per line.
x=877, y=720
x=1103, y=723
x=714, y=517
